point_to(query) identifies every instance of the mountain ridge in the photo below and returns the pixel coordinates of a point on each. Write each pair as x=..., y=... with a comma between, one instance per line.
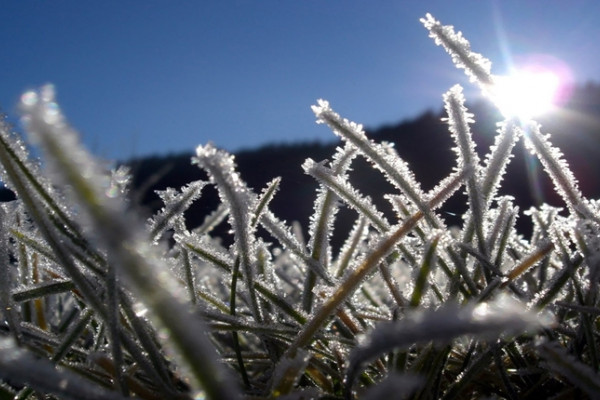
x=424, y=142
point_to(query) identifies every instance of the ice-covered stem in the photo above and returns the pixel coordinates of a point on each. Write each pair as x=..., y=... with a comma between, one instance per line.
x=557, y=168
x=427, y=264
x=15, y=170
x=20, y=174
x=458, y=120
x=563, y=363
x=321, y=223
x=528, y=262
x=477, y=67
x=233, y=191
x=125, y=240
x=282, y=233
x=389, y=163
x=326, y=206
x=114, y=322
x=494, y=169
x=175, y=203
x=345, y=191
x=443, y=325
x=224, y=263
x=66, y=344
x=22, y=367
x=355, y=278
x=351, y=245
x=9, y=309
x=498, y=158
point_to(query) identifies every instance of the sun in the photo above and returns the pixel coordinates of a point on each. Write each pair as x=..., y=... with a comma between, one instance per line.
x=525, y=93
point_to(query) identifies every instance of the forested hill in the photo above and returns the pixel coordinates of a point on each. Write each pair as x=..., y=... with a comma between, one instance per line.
x=423, y=142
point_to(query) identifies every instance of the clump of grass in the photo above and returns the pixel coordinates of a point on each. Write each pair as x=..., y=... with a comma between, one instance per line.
x=96, y=305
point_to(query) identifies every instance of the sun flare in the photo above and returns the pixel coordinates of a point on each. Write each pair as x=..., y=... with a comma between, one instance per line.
x=525, y=94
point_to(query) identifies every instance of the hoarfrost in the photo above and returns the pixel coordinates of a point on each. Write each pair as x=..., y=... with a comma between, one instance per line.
x=565, y=364
x=46, y=125
x=458, y=120
x=557, y=168
x=477, y=67
x=175, y=203
x=233, y=191
x=395, y=169
x=347, y=193
x=283, y=234
x=120, y=179
x=498, y=158
x=326, y=207
x=22, y=367
x=287, y=372
x=488, y=320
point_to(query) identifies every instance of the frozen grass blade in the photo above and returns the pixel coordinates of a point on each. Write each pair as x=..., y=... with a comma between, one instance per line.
x=321, y=223
x=72, y=246
x=458, y=120
x=349, y=285
x=220, y=261
x=233, y=192
x=475, y=65
x=563, y=363
x=19, y=366
x=486, y=320
x=127, y=245
x=558, y=169
x=171, y=216
x=66, y=344
x=498, y=158
x=384, y=158
x=528, y=262
x=351, y=246
x=7, y=304
x=346, y=192
x=283, y=234
x=427, y=266
x=42, y=289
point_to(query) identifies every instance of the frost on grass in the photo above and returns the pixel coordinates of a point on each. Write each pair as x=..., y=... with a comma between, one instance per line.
x=97, y=305
x=487, y=320
x=476, y=66
x=171, y=215
x=557, y=168
x=382, y=157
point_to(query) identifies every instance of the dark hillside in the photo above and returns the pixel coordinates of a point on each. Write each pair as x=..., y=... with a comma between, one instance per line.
x=423, y=142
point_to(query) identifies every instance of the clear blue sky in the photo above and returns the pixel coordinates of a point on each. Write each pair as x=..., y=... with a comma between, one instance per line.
x=153, y=77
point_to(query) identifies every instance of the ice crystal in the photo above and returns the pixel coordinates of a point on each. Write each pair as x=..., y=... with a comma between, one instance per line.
x=347, y=192
x=458, y=120
x=498, y=158
x=112, y=311
x=171, y=215
x=565, y=364
x=233, y=191
x=557, y=168
x=475, y=65
x=504, y=315
x=389, y=163
x=120, y=179
x=326, y=206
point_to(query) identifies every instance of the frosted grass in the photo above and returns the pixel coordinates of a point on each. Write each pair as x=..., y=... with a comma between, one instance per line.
x=98, y=303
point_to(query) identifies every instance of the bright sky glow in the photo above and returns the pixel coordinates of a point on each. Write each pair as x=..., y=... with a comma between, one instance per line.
x=526, y=93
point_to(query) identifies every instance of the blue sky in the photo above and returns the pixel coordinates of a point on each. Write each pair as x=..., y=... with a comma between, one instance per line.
x=156, y=77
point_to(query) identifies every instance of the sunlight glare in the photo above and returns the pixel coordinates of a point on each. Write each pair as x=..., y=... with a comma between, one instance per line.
x=525, y=93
